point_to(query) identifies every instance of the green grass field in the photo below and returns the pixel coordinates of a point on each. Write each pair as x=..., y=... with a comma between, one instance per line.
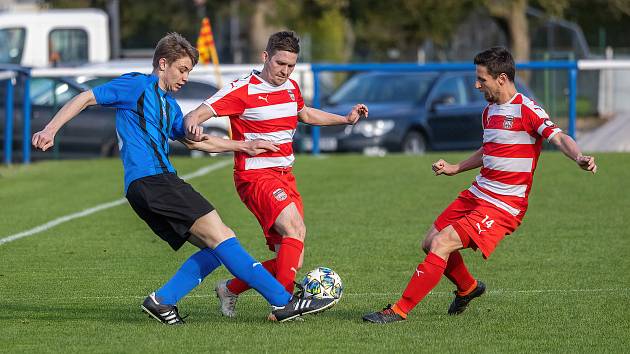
x=561, y=283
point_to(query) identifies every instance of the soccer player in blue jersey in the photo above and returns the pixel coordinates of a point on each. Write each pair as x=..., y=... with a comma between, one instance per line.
x=147, y=116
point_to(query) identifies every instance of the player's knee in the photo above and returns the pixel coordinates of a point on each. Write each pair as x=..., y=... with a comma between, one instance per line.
x=295, y=228
x=444, y=243
x=425, y=246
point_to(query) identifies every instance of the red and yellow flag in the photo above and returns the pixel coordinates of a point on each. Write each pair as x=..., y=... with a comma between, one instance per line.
x=205, y=44
x=207, y=49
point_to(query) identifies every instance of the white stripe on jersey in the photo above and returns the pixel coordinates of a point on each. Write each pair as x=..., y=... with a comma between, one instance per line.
x=517, y=190
x=508, y=164
x=274, y=111
x=280, y=137
x=554, y=132
x=253, y=163
x=232, y=86
x=507, y=109
x=534, y=107
x=254, y=89
x=543, y=126
x=481, y=195
x=500, y=136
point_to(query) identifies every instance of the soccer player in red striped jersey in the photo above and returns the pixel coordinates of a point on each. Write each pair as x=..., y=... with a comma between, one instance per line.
x=267, y=105
x=494, y=206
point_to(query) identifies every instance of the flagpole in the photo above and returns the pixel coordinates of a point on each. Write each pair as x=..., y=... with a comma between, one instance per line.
x=208, y=52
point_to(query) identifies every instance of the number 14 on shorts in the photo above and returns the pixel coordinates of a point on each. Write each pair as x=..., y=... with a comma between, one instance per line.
x=486, y=222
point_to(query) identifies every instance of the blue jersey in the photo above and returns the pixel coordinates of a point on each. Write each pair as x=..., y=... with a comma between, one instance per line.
x=146, y=117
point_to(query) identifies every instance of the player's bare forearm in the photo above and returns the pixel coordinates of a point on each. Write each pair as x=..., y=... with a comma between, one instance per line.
x=213, y=144
x=71, y=109
x=45, y=138
x=442, y=167
x=314, y=116
x=569, y=147
x=474, y=161
x=195, y=117
x=199, y=115
x=216, y=144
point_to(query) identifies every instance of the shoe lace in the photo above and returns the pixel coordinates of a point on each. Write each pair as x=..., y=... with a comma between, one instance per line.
x=176, y=312
x=388, y=310
x=300, y=290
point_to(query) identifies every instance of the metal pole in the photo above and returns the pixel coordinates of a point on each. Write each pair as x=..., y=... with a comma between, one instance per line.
x=26, y=118
x=113, y=9
x=572, y=99
x=316, y=104
x=8, y=123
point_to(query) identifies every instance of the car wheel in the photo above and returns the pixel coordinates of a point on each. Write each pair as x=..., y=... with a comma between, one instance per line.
x=414, y=143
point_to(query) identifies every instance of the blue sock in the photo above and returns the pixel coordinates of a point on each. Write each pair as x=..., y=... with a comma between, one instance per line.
x=189, y=275
x=246, y=268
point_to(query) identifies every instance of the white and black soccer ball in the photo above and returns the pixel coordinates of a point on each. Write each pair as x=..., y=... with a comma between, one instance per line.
x=322, y=283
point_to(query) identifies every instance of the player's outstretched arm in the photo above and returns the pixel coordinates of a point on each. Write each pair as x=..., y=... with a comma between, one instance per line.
x=442, y=167
x=569, y=147
x=45, y=138
x=215, y=144
x=196, y=117
x=314, y=116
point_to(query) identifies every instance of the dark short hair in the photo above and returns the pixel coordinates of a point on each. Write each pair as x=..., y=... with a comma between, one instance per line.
x=285, y=40
x=172, y=47
x=497, y=60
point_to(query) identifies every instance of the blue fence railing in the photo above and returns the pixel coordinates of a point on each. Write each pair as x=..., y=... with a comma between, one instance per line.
x=24, y=73
x=570, y=66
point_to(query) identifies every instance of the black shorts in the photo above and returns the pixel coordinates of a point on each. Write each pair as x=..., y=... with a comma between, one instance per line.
x=168, y=205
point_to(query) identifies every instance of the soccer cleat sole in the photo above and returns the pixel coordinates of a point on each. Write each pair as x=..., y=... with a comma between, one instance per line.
x=319, y=310
x=151, y=314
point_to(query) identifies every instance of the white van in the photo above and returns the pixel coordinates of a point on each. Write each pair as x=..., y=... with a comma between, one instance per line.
x=54, y=37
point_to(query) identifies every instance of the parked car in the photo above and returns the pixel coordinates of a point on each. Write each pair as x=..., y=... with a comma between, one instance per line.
x=410, y=112
x=93, y=132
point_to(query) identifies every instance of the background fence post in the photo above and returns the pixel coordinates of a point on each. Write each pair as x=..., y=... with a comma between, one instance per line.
x=26, y=119
x=8, y=123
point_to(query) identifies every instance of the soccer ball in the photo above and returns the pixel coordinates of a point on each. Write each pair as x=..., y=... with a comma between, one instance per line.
x=322, y=283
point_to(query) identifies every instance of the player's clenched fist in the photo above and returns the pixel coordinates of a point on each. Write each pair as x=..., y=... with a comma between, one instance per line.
x=442, y=167
x=359, y=111
x=587, y=163
x=43, y=140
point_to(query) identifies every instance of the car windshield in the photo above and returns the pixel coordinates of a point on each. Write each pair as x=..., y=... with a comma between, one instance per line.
x=393, y=87
x=11, y=45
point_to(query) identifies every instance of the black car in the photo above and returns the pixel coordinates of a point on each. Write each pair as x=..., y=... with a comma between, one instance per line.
x=410, y=112
x=93, y=132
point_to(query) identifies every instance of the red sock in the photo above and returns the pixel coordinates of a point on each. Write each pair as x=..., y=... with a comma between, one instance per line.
x=425, y=278
x=237, y=286
x=457, y=272
x=287, y=262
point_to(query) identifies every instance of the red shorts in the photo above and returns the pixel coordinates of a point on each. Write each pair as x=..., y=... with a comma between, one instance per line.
x=478, y=223
x=266, y=192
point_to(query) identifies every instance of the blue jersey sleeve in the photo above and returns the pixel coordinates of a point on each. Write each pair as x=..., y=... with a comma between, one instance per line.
x=121, y=92
x=178, y=131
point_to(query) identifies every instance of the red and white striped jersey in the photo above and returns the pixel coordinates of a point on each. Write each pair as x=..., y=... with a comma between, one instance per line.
x=259, y=110
x=512, y=140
